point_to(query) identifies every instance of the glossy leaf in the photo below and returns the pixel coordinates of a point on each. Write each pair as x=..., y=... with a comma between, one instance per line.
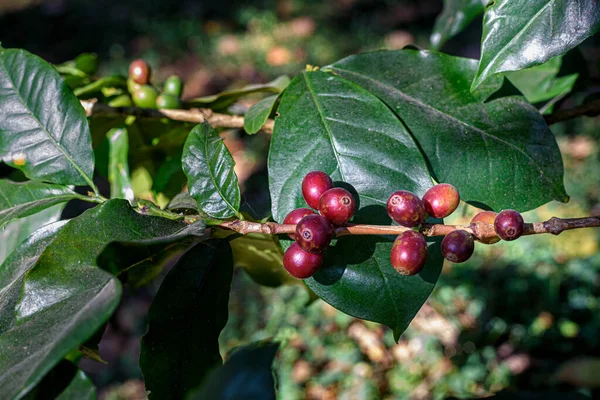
x=13, y=233
x=246, y=374
x=333, y=125
x=118, y=164
x=228, y=97
x=43, y=129
x=258, y=114
x=455, y=17
x=20, y=199
x=542, y=83
x=498, y=153
x=519, y=34
x=80, y=388
x=185, y=320
x=208, y=166
x=64, y=299
x=55, y=382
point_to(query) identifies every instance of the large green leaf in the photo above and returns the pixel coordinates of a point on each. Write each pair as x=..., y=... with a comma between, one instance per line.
x=43, y=129
x=246, y=374
x=455, y=17
x=258, y=114
x=80, y=388
x=64, y=298
x=335, y=126
x=185, y=320
x=519, y=34
x=20, y=199
x=208, y=166
x=499, y=153
x=118, y=165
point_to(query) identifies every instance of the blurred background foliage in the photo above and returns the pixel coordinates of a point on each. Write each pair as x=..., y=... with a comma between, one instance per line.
x=523, y=315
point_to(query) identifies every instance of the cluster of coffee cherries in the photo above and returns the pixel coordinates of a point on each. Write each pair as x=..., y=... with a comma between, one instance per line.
x=314, y=231
x=145, y=95
x=409, y=251
x=336, y=206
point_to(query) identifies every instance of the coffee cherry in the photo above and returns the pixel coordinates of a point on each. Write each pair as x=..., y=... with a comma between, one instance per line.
x=337, y=205
x=169, y=101
x=509, y=225
x=139, y=71
x=458, y=246
x=295, y=216
x=314, y=184
x=313, y=233
x=173, y=85
x=486, y=217
x=406, y=208
x=145, y=97
x=441, y=200
x=409, y=253
x=132, y=86
x=301, y=264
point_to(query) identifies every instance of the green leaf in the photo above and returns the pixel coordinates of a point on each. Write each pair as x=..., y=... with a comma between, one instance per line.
x=185, y=320
x=115, y=81
x=228, y=97
x=455, y=17
x=498, y=153
x=64, y=299
x=18, y=230
x=20, y=199
x=519, y=34
x=335, y=126
x=118, y=165
x=247, y=374
x=208, y=166
x=80, y=388
x=542, y=83
x=43, y=129
x=258, y=114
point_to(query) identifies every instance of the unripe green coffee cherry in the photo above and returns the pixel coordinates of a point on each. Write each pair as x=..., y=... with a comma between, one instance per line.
x=167, y=100
x=173, y=85
x=122, y=100
x=145, y=97
x=132, y=86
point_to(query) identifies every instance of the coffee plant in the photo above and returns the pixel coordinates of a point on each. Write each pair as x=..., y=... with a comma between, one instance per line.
x=367, y=156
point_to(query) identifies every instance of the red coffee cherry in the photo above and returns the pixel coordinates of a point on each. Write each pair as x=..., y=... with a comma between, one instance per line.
x=458, y=246
x=409, y=253
x=406, y=208
x=441, y=200
x=313, y=233
x=301, y=264
x=486, y=217
x=509, y=225
x=337, y=205
x=139, y=71
x=295, y=216
x=314, y=184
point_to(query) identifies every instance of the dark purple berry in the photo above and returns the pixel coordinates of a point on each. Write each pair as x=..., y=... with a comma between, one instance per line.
x=441, y=200
x=337, y=205
x=313, y=233
x=406, y=208
x=139, y=72
x=509, y=225
x=486, y=217
x=301, y=264
x=295, y=216
x=458, y=246
x=409, y=253
x=314, y=184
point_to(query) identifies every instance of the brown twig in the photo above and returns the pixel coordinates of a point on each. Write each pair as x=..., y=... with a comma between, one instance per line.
x=590, y=109
x=478, y=229
x=194, y=115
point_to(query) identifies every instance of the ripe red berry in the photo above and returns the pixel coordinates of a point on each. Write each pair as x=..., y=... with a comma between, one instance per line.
x=441, y=200
x=139, y=71
x=486, y=217
x=406, y=208
x=314, y=184
x=337, y=205
x=295, y=216
x=409, y=253
x=458, y=246
x=509, y=225
x=301, y=264
x=313, y=233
